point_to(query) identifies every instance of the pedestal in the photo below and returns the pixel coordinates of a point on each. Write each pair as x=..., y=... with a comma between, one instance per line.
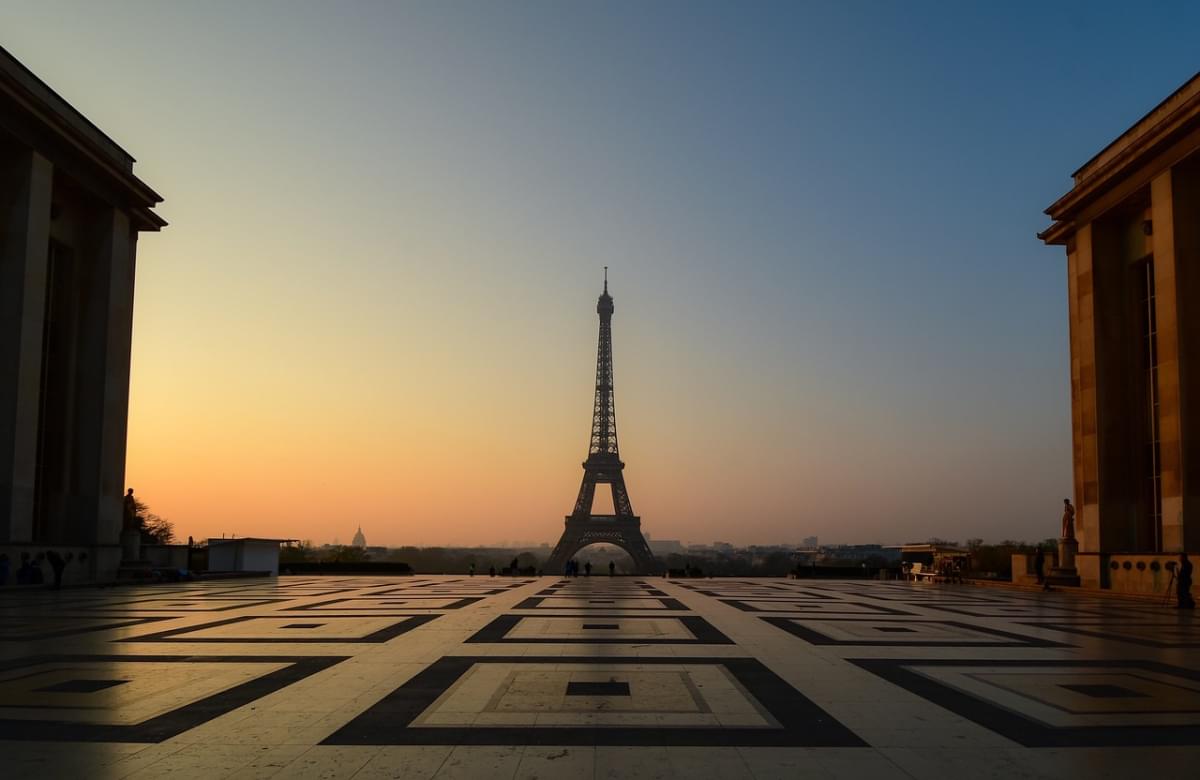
x=1064, y=573
x=1067, y=548
x=131, y=545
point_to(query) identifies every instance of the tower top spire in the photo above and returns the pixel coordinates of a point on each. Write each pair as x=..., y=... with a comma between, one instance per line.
x=604, y=304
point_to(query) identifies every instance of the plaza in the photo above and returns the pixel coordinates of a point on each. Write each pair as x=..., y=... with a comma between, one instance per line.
x=498, y=677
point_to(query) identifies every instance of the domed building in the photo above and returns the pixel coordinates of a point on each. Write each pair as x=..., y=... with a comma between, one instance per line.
x=359, y=541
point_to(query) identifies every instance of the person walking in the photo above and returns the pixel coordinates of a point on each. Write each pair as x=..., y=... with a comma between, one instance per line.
x=1039, y=564
x=1183, y=584
x=587, y=568
x=612, y=568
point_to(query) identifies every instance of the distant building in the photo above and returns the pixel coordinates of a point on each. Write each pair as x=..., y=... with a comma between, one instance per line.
x=359, y=540
x=71, y=210
x=1131, y=229
x=858, y=552
x=666, y=546
x=723, y=547
x=809, y=543
x=245, y=554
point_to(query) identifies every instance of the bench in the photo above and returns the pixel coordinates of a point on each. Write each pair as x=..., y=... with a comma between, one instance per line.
x=919, y=573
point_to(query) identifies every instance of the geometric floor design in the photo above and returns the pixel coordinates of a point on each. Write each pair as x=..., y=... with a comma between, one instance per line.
x=454, y=676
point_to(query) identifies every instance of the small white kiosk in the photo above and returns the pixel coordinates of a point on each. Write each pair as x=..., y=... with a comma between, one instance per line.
x=247, y=553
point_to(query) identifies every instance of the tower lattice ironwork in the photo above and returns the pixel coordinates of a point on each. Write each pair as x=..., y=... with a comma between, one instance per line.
x=603, y=467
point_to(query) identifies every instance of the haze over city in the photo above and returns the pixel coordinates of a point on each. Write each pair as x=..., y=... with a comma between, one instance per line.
x=376, y=305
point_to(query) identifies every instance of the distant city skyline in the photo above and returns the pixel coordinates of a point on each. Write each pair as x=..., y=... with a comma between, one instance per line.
x=375, y=302
x=806, y=542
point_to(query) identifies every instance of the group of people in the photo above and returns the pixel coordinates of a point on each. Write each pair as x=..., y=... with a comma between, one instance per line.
x=952, y=568
x=514, y=569
x=30, y=571
x=572, y=568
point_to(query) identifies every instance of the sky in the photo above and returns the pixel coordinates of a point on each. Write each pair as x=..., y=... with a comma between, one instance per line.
x=375, y=302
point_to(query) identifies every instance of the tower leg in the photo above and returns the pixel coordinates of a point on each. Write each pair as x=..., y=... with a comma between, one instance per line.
x=568, y=544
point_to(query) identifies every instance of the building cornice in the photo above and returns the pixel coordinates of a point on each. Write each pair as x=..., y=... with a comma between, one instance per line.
x=1127, y=158
x=55, y=117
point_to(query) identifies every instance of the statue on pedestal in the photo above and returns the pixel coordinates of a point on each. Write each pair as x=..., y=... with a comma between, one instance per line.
x=1068, y=520
x=131, y=529
x=1065, y=573
x=129, y=514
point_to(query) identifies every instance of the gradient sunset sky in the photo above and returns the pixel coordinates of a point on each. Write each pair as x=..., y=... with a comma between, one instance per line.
x=375, y=302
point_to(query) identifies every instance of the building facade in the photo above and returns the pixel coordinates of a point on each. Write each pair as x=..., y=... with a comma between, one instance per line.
x=1131, y=229
x=71, y=210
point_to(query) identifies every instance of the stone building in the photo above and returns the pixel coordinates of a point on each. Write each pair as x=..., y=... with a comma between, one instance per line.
x=71, y=209
x=1131, y=228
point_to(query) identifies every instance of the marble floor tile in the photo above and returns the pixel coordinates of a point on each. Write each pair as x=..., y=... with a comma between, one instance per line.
x=480, y=677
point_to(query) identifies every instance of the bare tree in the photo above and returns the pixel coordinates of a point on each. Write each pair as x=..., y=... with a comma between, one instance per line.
x=155, y=529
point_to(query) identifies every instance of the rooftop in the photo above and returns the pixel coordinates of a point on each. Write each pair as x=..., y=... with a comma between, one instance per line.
x=38, y=115
x=1165, y=135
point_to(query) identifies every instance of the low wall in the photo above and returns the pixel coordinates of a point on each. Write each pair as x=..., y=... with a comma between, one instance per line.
x=166, y=556
x=1023, y=570
x=845, y=572
x=1145, y=573
x=344, y=567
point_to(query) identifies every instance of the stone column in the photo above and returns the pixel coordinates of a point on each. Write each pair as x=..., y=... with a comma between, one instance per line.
x=1166, y=314
x=26, y=183
x=1185, y=207
x=1084, y=412
x=102, y=413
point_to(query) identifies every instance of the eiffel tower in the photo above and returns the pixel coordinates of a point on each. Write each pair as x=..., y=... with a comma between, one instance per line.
x=603, y=467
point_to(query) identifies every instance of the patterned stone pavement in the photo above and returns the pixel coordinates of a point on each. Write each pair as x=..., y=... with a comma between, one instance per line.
x=465, y=677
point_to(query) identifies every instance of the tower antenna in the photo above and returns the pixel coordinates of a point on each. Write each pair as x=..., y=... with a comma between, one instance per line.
x=605, y=278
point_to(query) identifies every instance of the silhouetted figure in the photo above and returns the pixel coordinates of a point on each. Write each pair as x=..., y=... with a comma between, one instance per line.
x=587, y=568
x=514, y=567
x=492, y=571
x=129, y=513
x=1183, y=584
x=25, y=570
x=1039, y=565
x=38, y=576
x=612, y=568
x=1068, y=520
x=57, y=564
x=471, y=569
